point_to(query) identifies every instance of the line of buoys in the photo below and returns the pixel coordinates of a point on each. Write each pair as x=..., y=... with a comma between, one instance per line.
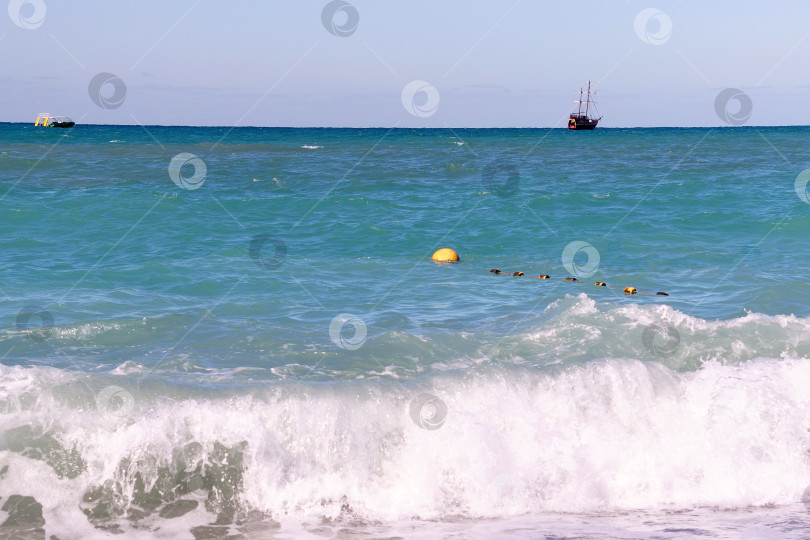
x=447, y=255
x=627, y=290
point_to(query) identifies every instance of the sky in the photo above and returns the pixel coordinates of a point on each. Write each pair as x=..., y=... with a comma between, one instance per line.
x=374, y=63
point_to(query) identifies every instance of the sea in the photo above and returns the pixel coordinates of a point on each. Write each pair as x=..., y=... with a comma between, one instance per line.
x=219, y=332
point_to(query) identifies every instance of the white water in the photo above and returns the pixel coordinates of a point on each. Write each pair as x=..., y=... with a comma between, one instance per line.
x=598, y=437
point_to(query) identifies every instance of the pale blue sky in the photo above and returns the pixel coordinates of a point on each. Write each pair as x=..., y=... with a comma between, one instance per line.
x=492, y=64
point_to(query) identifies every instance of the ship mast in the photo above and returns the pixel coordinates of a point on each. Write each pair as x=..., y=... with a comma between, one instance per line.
x=588, y=99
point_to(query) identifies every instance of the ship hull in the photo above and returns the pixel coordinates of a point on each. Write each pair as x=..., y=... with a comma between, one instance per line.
x=581, y=123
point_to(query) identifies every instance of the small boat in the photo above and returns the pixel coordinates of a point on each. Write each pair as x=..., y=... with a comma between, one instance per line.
x=48, y=120
x=580, y=119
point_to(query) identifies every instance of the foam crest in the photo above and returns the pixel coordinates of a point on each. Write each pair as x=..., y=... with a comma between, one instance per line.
x=578, y=329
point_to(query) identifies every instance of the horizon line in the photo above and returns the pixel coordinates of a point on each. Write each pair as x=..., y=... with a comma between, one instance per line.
x=565, y=128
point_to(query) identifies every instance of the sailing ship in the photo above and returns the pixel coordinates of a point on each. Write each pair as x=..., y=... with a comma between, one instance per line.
x=49, y=120
x=582, y=119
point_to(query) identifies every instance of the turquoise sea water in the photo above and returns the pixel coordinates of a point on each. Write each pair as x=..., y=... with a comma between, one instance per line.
x=272, y=352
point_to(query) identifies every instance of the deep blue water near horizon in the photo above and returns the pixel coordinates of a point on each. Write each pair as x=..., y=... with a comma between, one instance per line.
x=272, y=353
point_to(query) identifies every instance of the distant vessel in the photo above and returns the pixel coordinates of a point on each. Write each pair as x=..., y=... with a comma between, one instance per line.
x=580, y=119
x=48, y=120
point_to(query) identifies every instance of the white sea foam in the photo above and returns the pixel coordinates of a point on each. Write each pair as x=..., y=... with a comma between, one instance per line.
x=606, y=435
x=583, y=416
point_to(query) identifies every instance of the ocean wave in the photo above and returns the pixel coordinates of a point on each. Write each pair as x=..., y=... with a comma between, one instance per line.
x=578, y=329
x=494, y=442
x=572, y=330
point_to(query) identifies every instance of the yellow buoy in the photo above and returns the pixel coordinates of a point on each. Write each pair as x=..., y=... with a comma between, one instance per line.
x=446, y=255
